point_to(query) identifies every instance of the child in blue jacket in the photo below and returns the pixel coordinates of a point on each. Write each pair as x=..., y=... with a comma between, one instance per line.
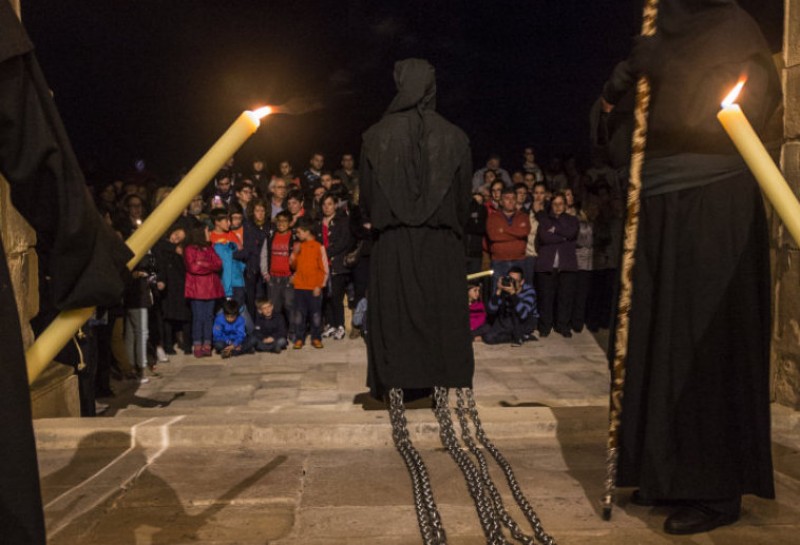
x=230, y=335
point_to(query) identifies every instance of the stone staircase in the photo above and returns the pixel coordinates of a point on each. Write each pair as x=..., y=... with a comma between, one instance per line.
x=288, y=450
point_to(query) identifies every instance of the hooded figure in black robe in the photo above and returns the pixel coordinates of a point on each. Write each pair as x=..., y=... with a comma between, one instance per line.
x=415, y=190
x=696, y=407
x=81, y=259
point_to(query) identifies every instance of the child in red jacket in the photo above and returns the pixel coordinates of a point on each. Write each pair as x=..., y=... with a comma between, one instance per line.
x=203, y=288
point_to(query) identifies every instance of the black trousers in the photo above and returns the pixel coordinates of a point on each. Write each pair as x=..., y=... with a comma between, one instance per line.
x=556, y=292
x=583, y=280
x=88, y=375
x=334, y=302
x=600, y=303
x=361, y=278
x=508, y=327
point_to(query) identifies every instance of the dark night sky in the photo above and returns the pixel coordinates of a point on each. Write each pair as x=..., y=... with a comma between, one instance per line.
x=161, y=79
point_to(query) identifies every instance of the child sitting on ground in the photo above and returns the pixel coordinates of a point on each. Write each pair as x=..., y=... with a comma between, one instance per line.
x=270, y=330
x=230, y=336
x=477, y=312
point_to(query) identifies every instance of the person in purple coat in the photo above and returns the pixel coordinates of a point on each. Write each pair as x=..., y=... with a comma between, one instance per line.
x=556, y=266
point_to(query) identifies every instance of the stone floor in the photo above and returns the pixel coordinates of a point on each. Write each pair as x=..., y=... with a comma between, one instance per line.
x=287, y=449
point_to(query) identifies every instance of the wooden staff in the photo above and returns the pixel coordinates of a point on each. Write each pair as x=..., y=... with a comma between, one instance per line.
x=626, y=274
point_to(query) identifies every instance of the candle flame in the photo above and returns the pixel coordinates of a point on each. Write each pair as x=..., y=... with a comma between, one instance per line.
x=734, y=94
x=261, y=113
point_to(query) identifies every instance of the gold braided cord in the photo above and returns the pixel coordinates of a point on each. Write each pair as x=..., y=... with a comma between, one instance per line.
x=626, y=271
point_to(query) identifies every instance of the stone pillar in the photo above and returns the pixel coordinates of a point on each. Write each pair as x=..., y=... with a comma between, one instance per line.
x=19, y=240
x=785, y=250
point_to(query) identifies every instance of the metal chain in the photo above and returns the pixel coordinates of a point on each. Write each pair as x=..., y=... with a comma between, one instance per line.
x=428, y=518
x=466, y=435
x=513, y=484
x=483, y=505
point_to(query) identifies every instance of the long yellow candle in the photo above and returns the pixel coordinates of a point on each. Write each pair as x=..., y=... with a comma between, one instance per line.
x=61, y=330
x=481, y=274
x=767, y=174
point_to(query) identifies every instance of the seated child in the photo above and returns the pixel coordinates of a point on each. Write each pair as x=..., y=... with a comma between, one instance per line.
x=270, y=330
x=230, y=335
x=477, y=312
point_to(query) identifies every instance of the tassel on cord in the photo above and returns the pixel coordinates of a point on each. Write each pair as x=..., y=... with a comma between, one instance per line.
x=626, y=274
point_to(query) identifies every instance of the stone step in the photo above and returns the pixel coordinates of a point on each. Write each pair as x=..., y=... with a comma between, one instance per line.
x=308, y=428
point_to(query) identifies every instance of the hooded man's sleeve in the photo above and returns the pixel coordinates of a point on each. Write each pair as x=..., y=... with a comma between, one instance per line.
x=83, y=259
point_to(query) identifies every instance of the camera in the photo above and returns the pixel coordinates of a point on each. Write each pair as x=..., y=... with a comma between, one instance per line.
x=506, y=281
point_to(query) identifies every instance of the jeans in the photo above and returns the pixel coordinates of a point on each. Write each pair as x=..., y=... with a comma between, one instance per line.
x=136, y=336
x=307, y=307
x=275, y=346
x=202, y=320
x=247, y=345
x=281, y=293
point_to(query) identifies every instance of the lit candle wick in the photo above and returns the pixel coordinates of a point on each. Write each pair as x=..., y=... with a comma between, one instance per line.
x=734, y=94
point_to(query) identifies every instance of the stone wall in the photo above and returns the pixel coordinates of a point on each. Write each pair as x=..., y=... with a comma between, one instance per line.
x=785, y=250
x=19, y=240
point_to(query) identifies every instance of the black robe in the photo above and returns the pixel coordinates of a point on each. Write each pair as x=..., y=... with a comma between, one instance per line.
x=415, y=190
x=696, y=407
x=81, y=260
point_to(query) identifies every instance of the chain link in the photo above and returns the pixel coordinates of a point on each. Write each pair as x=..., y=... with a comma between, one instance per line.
x=428, y=518
x=486, y=513
x=513, y=484
x=466, y=435
x=488, y=501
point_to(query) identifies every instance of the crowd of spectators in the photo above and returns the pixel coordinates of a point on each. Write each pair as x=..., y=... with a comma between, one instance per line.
x=552, y=236
x=261, y=259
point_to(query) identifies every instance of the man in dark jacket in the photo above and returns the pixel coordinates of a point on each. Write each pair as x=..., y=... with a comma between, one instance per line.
x=513, y=306
x=415, y=189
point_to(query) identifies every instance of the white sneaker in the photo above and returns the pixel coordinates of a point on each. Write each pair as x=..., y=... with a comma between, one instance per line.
x=161, y=355
x=143, y=380
x=328, y=332
x=340, y=333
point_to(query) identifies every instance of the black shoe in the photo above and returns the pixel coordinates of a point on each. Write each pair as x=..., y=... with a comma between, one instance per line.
x=566, y=333
x=637, y=498
x=697, y=518
x=544, y=332
x=170, y=351
x=517, y=342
